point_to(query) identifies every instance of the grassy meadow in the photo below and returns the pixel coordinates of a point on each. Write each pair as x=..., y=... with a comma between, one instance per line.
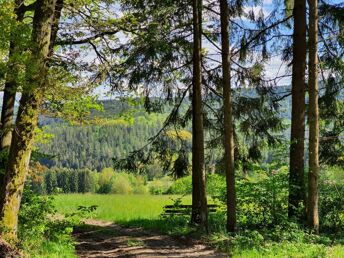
x=139, y=210
x=117, y=207
x=144, y=211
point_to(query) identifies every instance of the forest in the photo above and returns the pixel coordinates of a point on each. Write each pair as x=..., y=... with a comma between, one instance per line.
x=145, y=128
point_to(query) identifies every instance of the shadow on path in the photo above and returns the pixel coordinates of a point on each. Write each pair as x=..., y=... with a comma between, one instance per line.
x=104, y=239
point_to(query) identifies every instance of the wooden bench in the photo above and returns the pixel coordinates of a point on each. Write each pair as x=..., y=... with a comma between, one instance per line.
x=170, y=210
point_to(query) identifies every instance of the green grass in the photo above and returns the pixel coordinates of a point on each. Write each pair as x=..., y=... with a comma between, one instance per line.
x=117, y=208
x=55, y=250
x=294, y=250
x=129, y=210
x=144, y=211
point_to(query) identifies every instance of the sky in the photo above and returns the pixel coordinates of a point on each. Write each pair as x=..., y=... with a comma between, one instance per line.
x=274, y=67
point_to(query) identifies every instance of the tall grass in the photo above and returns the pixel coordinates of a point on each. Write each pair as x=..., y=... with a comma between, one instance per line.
x=144, y=211
x=118, y=208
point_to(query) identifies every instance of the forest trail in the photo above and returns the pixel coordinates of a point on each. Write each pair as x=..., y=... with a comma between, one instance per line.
x=105, y=239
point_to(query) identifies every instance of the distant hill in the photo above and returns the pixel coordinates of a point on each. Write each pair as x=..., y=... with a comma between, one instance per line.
x=118, y=130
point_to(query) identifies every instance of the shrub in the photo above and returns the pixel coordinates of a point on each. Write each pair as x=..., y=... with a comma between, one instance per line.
x=215, y=185
x=37, y=228
x=121, y=184
x=160, y=186
x=181, y=186
x=331, y=194
x=139, y=184
x=105, y=181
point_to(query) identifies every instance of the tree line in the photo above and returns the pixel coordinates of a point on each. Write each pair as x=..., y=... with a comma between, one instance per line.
x=95, y=145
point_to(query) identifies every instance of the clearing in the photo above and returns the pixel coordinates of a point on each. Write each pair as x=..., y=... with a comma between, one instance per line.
x=105, y=239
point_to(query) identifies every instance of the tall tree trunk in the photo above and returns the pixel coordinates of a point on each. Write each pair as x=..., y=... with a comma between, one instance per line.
x=199, y=198
x=27, y=118
x=296, y=172
x=228, y=119
x=7, y=111
x=313, y=118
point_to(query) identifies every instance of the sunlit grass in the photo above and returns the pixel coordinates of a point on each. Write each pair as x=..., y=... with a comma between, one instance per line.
x=145, y=210
x=117, y=208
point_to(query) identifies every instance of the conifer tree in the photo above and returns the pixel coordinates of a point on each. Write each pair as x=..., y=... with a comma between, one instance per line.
x=228, y=119
x=313, y=118
x=296, y=174
x=199, y=198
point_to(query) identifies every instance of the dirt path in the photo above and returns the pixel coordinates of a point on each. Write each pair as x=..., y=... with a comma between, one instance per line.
x=104, y=239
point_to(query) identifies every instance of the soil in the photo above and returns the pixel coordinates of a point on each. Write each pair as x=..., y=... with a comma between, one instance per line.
x=105, y=239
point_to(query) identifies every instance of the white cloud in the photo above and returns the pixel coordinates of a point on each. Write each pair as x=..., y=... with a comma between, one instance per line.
x=276, y=68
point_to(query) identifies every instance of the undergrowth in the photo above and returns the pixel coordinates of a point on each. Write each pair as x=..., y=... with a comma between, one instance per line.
x=44, y=233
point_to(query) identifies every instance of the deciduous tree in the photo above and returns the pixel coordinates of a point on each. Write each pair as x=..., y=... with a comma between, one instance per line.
x=27, y=119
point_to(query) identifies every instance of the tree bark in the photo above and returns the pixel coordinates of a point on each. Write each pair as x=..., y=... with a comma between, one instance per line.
x=27, y=118
x=313, y=118
x=228, y=119
x=7, y=111
x=199, y=198
x=296, y=172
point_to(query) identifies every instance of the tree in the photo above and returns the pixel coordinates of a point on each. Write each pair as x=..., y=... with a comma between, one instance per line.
x=199, y=198
x=228, y=119
x=296, y=170
x=27, y=118
x=313, y=118
x=50, y=181
x=331, y=51
x=11, y=84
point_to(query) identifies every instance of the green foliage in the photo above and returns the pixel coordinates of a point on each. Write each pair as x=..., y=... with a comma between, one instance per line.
x=263, y=202
x=68, y=181
x=215, y=185
x=293, y=243
x=120, y=183
x=331, y=205
x=63, y=180
x=181, y=186
x=109, y=134
x=104, y=180
x=77, y=111
x=39, y=233
x=160, y=186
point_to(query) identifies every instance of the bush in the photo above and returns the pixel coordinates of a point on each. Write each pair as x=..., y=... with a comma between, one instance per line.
x=331, y=205
x=37, y=228
x=215, y=185
x=105, y=181
x=139, y=184
x=121, y=184
x=262, y=197
x=160, y=186
x=181, y=186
